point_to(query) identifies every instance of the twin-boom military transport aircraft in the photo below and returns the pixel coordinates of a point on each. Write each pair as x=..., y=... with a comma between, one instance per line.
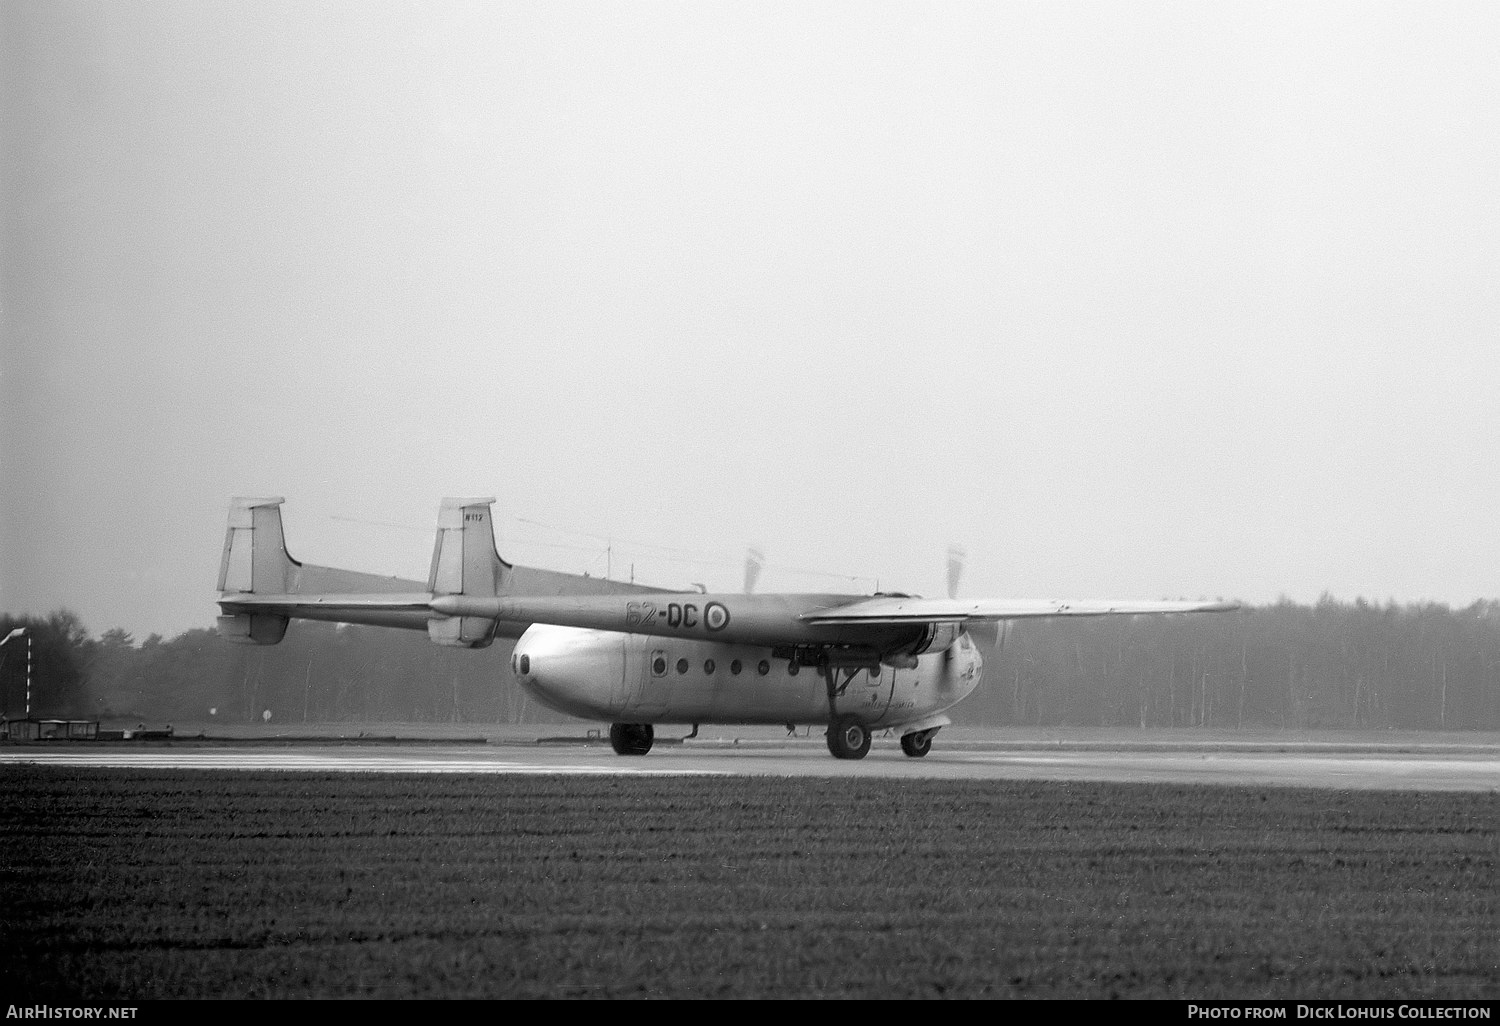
x=634, y=656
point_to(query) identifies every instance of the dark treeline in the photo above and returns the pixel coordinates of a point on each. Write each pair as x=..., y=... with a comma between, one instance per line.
x=320, y=673
x=1332, y=664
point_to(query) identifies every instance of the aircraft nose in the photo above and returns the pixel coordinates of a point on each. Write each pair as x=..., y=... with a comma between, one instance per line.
x=538, y=649
x=565, y=668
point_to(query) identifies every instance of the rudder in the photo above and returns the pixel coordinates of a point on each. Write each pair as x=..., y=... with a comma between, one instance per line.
x=465, y=562
x=255, y=561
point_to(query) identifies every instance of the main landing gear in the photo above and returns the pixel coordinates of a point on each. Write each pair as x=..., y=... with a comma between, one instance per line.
x=631, y=738
x=848, y=738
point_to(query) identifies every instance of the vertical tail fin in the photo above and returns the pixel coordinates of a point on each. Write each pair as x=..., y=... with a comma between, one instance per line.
x=465, y=562
x=255, y=556
x=255, y=560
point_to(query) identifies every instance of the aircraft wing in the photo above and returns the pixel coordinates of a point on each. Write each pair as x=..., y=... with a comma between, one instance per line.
x=896, y=609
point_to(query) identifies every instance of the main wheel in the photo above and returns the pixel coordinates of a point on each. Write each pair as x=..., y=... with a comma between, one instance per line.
x=917, y=744
x=848, y=738
x=631, y=738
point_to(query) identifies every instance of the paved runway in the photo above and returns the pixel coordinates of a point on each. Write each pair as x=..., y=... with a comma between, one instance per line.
x=1404, y=767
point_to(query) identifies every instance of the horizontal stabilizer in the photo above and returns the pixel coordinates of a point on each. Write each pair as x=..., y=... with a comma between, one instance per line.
x=253, y=628
x=301, y=605
x=248, y=617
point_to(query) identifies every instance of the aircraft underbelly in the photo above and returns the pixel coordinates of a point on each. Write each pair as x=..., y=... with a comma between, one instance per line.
x=777, y=697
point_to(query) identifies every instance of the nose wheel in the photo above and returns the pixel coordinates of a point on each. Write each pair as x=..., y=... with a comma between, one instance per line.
x=848, y=738
x=918, y=744
x=631, y=738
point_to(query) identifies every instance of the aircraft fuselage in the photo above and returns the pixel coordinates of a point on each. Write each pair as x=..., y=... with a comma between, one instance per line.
x=615, y=676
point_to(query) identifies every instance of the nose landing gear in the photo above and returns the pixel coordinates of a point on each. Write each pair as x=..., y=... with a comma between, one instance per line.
x=917, y=744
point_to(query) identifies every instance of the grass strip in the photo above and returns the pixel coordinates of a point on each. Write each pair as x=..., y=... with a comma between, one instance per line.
x=134, y=885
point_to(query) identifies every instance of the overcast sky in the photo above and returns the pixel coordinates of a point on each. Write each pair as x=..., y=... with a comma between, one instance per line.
x=1126, y=299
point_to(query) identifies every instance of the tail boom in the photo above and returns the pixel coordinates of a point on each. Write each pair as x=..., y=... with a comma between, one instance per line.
x=262, y=588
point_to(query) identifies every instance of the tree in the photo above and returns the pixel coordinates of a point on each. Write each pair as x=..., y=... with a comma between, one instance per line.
x=59, y=649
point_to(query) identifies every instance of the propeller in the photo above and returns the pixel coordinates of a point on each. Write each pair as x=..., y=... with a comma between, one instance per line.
x=956, y=557
x=754, y=560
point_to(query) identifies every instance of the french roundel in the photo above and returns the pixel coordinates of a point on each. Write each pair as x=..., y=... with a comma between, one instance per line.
x=715, y=616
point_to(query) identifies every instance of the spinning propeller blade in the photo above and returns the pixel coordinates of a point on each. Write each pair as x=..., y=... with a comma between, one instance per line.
x=754, y=560
x=956, y=556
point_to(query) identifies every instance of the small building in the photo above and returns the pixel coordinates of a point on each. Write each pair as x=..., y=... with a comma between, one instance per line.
x=30, y=729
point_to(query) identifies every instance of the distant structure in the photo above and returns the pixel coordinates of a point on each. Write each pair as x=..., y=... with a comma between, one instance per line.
x=28, y=729
x=20, y=632
x=49, y=730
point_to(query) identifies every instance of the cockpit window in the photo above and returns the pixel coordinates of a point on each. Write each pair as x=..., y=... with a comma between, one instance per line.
x=525, y=664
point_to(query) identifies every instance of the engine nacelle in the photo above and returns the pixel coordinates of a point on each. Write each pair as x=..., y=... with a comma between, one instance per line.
x=936, y=637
